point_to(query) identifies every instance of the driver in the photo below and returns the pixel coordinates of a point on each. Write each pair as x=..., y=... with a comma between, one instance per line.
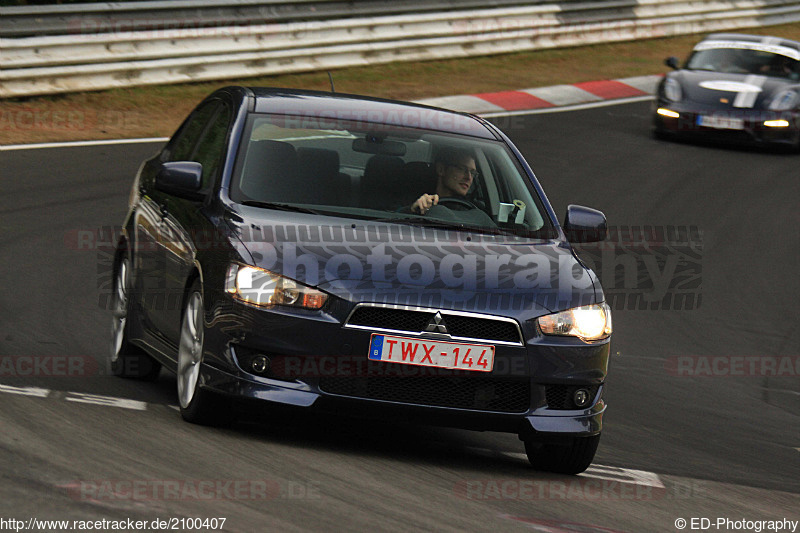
x=780, y=66
x=455, y=171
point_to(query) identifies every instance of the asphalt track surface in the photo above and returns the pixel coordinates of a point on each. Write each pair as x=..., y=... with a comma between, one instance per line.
x=709, y=446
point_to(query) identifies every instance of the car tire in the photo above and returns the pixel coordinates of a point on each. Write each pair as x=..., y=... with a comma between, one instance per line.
x=660, y=134
x=571, y=456
x=197, y=404
x=125, y=359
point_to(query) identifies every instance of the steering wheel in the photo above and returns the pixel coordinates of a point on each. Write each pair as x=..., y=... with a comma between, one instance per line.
x=456, y=201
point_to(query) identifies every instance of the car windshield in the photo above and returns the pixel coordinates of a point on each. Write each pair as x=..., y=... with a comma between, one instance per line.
x=746, y=58
x=376, y=172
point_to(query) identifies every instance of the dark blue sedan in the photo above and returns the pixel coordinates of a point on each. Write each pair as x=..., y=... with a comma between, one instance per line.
x=378, y=258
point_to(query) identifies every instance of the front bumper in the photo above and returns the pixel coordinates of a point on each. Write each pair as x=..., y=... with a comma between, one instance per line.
x=541, y=423
x=316, y=362
x=737, y=126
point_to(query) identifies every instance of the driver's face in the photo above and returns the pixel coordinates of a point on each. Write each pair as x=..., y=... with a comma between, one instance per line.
x=456, y=178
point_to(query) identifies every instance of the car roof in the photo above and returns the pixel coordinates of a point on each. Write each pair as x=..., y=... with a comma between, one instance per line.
x=764, y=39
x=365, y=109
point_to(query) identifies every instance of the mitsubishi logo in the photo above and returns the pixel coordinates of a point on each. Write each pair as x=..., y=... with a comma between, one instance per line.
x=436, y=325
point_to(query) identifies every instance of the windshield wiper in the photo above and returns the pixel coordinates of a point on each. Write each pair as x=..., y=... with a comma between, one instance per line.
x=280, y=207
x=438, y=223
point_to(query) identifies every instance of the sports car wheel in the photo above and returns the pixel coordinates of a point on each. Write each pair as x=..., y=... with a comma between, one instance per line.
x=127, y=360
x=197, y=404
x=571, y=456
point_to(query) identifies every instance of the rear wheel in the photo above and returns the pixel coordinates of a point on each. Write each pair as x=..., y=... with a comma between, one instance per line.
x=571, y=456
x=127, y=360
x=198, y=405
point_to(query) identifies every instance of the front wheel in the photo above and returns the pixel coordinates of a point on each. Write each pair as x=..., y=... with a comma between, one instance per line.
x=571, y=456
x=197, y=405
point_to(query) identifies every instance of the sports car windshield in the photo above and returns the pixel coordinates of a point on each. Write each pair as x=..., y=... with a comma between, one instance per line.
x=746, y=58
x=375, y=171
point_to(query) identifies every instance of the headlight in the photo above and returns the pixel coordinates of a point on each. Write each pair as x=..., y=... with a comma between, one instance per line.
x=672, y=90
x=589, y=323
x=262, y=287
x=784, y=100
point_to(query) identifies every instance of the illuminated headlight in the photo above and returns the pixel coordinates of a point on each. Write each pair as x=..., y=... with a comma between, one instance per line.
x=261, y=287
x=672, y=90
x=776, y=123
x=784, y=100
x=589, y=323
x=667, y=113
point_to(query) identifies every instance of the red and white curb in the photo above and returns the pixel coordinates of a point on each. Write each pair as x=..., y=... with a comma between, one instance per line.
x=542, y=98
x=539, y=99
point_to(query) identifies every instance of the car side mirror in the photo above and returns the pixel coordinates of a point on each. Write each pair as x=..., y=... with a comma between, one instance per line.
x=583, y=224
x=181, y=178
x=672, y=62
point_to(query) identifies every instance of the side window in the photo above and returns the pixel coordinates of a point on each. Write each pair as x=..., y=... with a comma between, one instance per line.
x=182, y=146
x=209, y=152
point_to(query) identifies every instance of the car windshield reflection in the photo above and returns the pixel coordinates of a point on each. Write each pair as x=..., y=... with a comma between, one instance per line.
x=385, y=173
x=745, y=61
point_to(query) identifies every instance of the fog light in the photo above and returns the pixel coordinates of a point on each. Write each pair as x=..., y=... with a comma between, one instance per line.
x=259, y=364
x=667, y=113
x=581, y=397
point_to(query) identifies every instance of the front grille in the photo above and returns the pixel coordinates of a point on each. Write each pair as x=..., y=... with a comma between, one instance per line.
x=388, y=318
x=559, y=397
x=416, y=321
x=481, y=328
x=496, y=395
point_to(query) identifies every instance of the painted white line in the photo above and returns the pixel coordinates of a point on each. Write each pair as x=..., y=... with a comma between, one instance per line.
x=563, y=95
x=463, y=102
x=106, y=401
x=591, y=105
x=646, y=84
x=75, y=144
x=25, y=391
x=626, y=475
x=515, y=455
x=610, y=473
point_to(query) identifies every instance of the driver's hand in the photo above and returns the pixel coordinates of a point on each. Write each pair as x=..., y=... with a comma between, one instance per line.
x=423, y=204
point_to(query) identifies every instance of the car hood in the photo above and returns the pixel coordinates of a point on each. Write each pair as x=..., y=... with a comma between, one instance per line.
x=365, y=261
x=721, y=90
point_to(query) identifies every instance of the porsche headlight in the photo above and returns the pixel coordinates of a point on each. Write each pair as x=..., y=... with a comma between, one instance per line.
x=262, y=287
x=672, y=90
x=784, y=100
x=589, y=323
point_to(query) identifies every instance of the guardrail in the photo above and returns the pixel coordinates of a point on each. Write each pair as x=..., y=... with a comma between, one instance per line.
x=61, y=19
x=131, y=56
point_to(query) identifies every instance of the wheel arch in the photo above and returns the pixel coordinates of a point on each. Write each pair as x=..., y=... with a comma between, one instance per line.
x=195, y=274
